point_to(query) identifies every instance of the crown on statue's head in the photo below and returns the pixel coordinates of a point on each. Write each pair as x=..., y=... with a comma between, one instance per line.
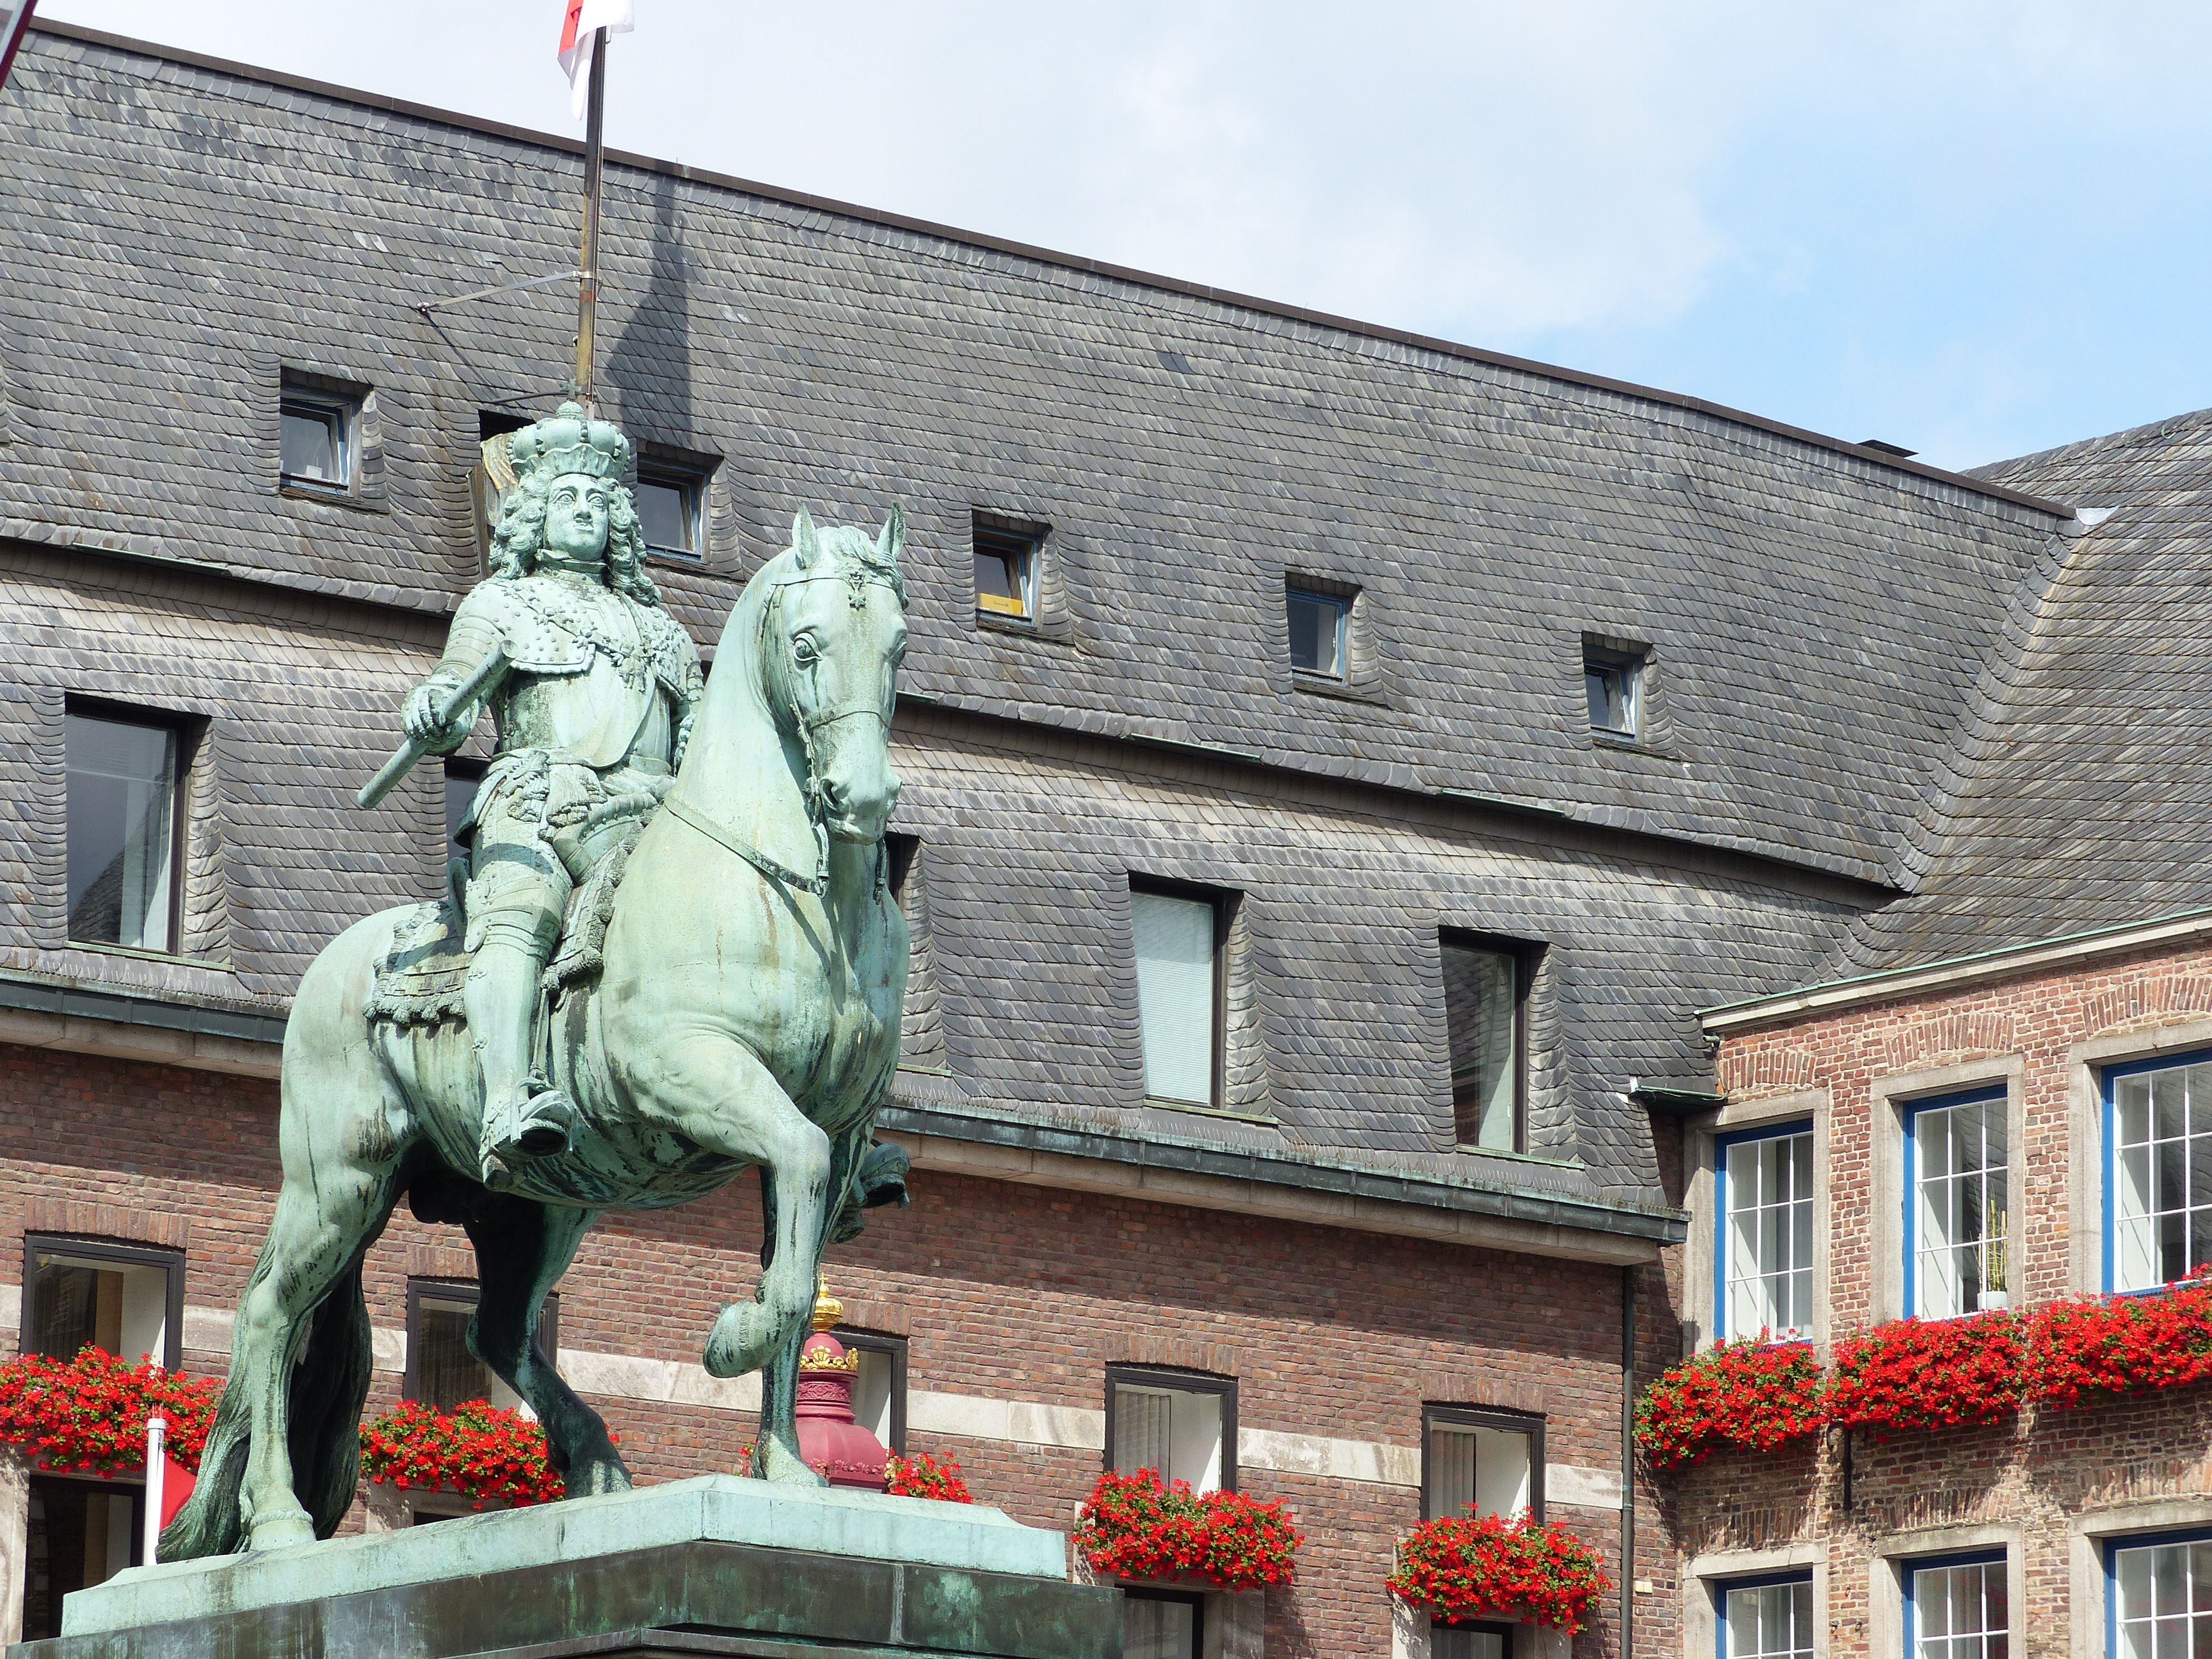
x=567, y=441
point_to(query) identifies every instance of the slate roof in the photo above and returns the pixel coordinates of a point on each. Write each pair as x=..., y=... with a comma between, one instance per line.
x=1820, y=615
x=1817, y=610
x=2082, y=795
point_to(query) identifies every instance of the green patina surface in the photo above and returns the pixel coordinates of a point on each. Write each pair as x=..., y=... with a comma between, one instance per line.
x=813, y=1563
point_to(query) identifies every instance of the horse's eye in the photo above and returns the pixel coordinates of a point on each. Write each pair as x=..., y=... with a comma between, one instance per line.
x=804, y=649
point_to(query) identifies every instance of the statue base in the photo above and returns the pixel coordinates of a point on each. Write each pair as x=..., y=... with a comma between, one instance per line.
x=719, y=1564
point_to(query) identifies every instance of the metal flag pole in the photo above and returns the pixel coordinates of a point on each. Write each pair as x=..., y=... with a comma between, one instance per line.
x=587, y=287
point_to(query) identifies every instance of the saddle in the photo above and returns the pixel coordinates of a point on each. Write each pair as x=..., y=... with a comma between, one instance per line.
x=420, y=981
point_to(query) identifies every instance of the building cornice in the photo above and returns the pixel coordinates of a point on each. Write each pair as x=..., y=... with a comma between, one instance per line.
x=1076, y=263
x=2186, y=927
x=931, y=1117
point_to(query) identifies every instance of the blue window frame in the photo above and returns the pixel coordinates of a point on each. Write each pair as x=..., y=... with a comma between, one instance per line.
x=2158, y=1170
x=1957, y=1190
x=1767, y=1617
x=2158, y=1595
x=1958, y=1607
x=1763, y=1239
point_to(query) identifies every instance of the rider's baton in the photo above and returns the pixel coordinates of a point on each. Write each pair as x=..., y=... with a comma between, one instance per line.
x=404, y=757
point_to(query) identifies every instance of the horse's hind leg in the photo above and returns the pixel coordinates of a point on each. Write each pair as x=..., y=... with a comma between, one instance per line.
x=325, y=1214
x=522, y=1250
x=716, y=1092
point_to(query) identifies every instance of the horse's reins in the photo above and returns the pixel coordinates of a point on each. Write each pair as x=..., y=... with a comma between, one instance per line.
x=817, y=810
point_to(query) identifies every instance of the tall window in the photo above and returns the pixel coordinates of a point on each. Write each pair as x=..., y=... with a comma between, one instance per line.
x=1006, y=555
x=1162, y=1625
x=1177, y=938
x=671, y=509
x=879, y=1385
x=1613, y=683
x=1481, y=1462
x=126, y=1298
x=1957, y=1240
x=123, y=831
x=2158, y=1181
x=1179, y=1424
x=1769, y=1619
x=441, y=1370
x=316, y=430
x=1957, y=1610
x=1764, y=1185
x=1318, y=623
x=2157, y=1592
x=1471, y=1642
x=1486, y=990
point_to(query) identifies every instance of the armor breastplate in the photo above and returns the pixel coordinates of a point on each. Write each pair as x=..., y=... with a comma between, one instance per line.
x=588, y=688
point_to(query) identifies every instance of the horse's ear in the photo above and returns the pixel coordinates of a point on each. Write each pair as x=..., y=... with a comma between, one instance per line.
x=892, y=542
x=803, y=539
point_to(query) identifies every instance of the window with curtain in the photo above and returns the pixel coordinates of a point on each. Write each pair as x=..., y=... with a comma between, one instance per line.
x=2158, y=1127
x=1764, y=1189
x=1483, y=1002
x=121, y=800
x=1481, y=1462
x=1177, y=944
x=1182, y=1426
x=1956, y=1231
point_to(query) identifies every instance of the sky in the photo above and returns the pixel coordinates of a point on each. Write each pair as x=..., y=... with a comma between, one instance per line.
x=1975, y=230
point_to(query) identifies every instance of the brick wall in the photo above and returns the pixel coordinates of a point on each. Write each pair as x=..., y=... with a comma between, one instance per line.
x=1004, y=1292
x=2043, y=1483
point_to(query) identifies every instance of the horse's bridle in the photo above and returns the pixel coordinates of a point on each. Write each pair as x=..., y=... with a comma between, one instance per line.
x=809, y=725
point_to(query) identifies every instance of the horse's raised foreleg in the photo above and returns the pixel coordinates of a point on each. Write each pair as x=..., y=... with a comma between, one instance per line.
x=716, y=1092
x=522, y=1250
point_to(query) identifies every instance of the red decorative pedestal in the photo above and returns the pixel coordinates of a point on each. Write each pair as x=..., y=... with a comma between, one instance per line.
x=833, y=1444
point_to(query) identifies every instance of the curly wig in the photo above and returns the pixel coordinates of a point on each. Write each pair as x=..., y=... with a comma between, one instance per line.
x=520, y=536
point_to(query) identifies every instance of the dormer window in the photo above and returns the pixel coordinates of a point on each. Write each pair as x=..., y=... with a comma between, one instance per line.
x=1006, y=555
x=1318, y=623
x=671, y=502
x=318, y=429
x=1614, y=683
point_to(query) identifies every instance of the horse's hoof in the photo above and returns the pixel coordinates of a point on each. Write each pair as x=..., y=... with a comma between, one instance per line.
x=746, y=1336
x=597, y=1479
x=786, y=1466
x=278, y=1531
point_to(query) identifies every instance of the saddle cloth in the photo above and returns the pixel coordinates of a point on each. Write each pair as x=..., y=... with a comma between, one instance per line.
x=421, y=980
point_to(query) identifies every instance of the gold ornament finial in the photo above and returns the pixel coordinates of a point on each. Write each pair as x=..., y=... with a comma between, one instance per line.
x=828, y=1309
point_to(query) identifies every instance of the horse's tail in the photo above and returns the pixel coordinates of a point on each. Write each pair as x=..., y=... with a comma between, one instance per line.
x=329, y=1387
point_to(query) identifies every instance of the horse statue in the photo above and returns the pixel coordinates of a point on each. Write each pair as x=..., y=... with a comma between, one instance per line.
x=744, y=1012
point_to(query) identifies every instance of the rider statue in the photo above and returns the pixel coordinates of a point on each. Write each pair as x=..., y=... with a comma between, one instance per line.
x=592, y=710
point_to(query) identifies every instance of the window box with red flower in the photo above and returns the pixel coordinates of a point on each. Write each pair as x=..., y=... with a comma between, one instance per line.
x=1492, y=1566
x=923, y=1476
x=87, y=1415
x=2089, y=1348
x=1132, y=1527
x=1749, y=1394
x=1928, y=1374
x=490, y=1456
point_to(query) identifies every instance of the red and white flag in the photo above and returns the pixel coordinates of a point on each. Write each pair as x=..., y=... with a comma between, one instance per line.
x=579, y=27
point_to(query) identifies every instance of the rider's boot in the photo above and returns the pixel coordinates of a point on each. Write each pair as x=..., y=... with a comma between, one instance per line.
x=525, y=1119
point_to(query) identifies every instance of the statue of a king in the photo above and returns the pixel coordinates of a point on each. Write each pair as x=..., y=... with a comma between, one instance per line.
x=592, y=710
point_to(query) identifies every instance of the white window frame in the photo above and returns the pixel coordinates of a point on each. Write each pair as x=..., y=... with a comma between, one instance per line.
x=1802, y=1128
x=1702, y=1260
x=1913, y=1246
x=1908, y=1573
x=2110, y=1079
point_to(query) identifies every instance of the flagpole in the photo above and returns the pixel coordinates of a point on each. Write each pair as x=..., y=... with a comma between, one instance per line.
x=587, y=290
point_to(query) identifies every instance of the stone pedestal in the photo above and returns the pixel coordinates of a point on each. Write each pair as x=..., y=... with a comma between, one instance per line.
x=716, y=1565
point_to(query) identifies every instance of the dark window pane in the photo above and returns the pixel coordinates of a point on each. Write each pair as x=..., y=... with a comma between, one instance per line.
x=64, y=1309
x=121, y=790
x=312, y=443
x=446, y=1372
x=462, y=781
x=1316, y=629
x=1005, y=568
x=1611, y=689
x=1155, y=1628
x=1481, y=1014
x=667, y=512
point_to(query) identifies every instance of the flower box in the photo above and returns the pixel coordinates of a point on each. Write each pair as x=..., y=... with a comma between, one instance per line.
x=1928, y=1374
x=488, y=1454
x=923, y=1476
x=87, y=1415
x=1751, y=1392
x=2092, y=1347
x=1489, y=1566
x=1132, y=1526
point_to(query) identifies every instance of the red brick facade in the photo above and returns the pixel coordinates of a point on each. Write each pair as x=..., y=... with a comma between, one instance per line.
x=2047, y=1490
x=1005, y=1292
